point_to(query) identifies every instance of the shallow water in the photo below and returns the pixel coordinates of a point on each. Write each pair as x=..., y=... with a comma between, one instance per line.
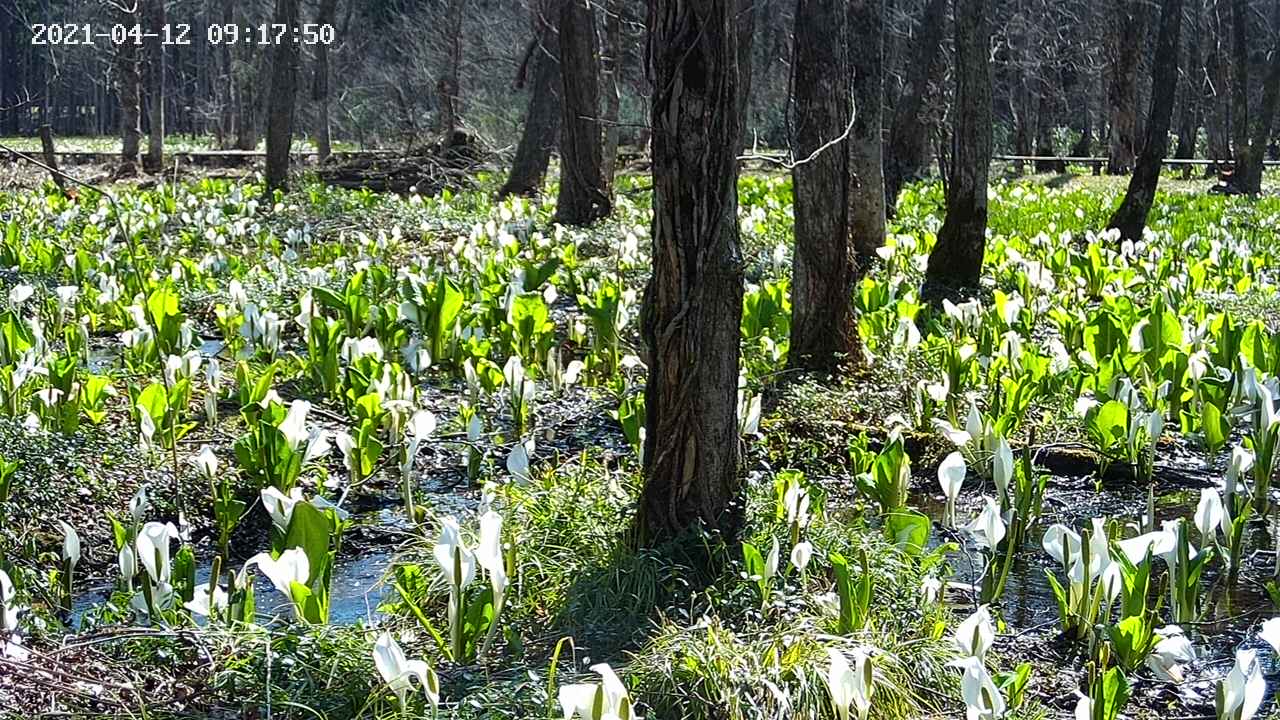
x=1230, y=616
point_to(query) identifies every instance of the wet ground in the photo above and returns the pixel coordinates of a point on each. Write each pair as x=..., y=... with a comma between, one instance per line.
x=1230, y=616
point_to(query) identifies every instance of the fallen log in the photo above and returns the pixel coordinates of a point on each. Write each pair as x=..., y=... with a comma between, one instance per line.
x=450, y=164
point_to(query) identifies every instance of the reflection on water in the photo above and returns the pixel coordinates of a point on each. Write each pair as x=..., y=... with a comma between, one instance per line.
x=354, y=593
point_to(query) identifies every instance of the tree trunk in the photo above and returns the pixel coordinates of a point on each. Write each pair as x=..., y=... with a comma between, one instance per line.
x=1217, y=82
x=956, y=259
x=228, y=113
x=613, y=90
x=448, y=86
x=1250, y=176
x=326, y=15
x=247, y=74
x=280, y=107
x=1191, y=92
x=824, y=331
x=866, y=153
x=130, y=79
x=583, y=198
x=1044, y=138
x=155, y=20
x=747, y=13
x=542, y=120
x=1124, y=52
x=1131, y=217
x=692, y=309
x=908, y=153
x=1081, y=83
x=1240, y=86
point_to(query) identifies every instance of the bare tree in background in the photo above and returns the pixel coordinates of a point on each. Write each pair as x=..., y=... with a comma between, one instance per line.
x=692, y=311
x=866, y=153
x=1081, y=80
x=129, y=80
x=1240, y=21
x=227, y=83
x=613, y=90
x=1125, y=25
x=448, y=86
x=824, y=331
x=582, y=199
x=154, y=17
x=326, y=15
x=283, y=98
x=246, y=62
x=1249, y=176
x=542, y=120
x=906, y=157
x=956, y=259
x=1191, y=84
x=1131, y=217
x=1217, y=83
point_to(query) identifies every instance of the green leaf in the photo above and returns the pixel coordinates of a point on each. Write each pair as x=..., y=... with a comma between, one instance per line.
x=1215, y=427
x=909, y=530
x=310, y=529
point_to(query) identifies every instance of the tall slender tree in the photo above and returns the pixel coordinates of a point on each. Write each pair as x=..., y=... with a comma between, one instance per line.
x=227, y=83
x=129, y=78
x=907, y=155
x=284, y=90
x=1249, y=174
x=613, y=90
x=1218, y=120
x=1240, y=22
x=154, y=16
x=956, y=259
x=326, y=15
x=542, y=119
x=824, y=332
x=1131, y=217
x=1127, y=23
x=866, y=153
x=449, y=86
x=692, y=308
x=583, y=197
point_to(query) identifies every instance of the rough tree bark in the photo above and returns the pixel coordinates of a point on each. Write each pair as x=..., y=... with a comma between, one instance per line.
x=448, y=86
x=1131, y=217
x=613, y=91
x=542, y=120
x=1249, y=177
x=1218, y=121
x=327, y=14
x=129, y=76
x=906, y=156
x=824, y=331
x=247, y=71
x=1044, y=138
x=280, y=108
x=1190, y=89
x=583, y=198
x=154, y=20
x=866, y=151
x=227, y=84
x=1124, y=51
x=1079, y=80
x=1240, y=86
x=692, y=308
x=956, y=259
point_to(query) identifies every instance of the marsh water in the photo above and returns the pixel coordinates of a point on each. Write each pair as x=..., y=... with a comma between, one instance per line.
x=1230, y=615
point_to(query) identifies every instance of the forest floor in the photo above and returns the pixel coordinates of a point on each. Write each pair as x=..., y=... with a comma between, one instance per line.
x=519, y=339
